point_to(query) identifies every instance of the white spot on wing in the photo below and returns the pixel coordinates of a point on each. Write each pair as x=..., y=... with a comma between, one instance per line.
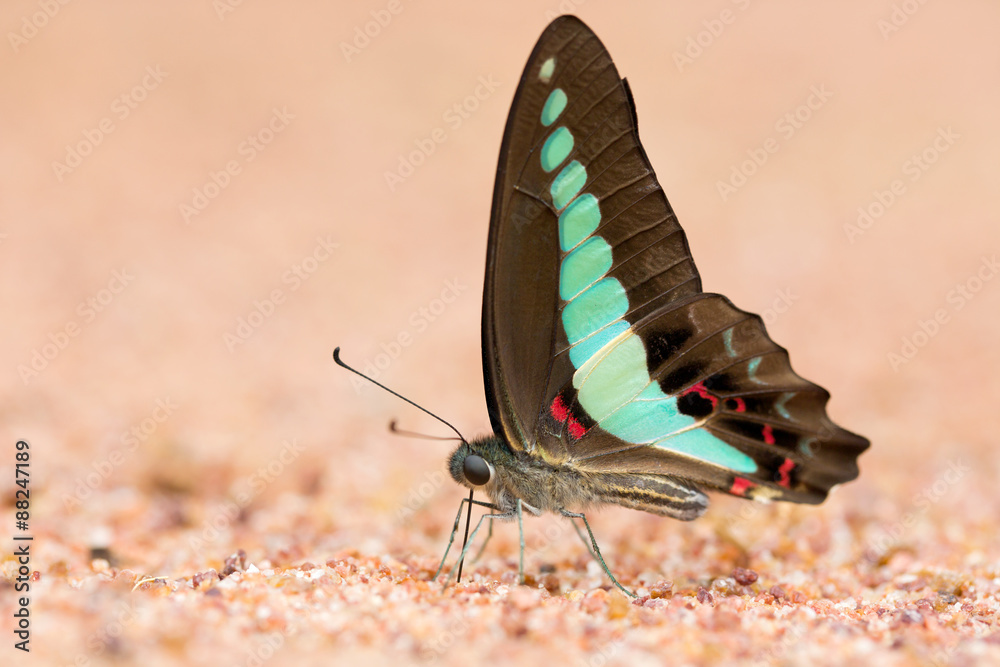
x=548, y=67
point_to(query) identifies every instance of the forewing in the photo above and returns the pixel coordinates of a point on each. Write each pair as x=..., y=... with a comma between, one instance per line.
x=571, y=128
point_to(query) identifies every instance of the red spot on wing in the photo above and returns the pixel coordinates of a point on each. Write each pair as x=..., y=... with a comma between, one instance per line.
x=740, y=486
x=768, y=434
x=786, y=467
x=703, y=392
x=741, y=405
x=559, y=410
x=563, y=416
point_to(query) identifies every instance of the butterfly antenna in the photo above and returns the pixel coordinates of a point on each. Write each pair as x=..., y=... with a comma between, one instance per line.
x=413, y=434
x=336, y=358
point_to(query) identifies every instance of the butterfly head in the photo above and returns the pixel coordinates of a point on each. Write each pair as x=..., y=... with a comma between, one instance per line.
x=474, y=464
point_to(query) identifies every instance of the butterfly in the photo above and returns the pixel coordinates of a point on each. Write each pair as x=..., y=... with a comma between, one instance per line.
x=611, y=377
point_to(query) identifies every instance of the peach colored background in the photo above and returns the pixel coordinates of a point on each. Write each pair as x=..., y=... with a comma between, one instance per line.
x=352, y=118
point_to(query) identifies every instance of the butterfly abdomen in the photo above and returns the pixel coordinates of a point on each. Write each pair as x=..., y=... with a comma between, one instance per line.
x=658, y=494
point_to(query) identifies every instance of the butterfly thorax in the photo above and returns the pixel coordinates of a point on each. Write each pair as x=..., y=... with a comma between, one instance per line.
x=541, y=486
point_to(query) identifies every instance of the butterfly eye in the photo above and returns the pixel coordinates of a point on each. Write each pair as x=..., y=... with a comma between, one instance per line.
x=477, y=470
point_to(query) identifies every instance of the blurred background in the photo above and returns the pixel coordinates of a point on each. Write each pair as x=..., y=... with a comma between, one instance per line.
x=201, y=199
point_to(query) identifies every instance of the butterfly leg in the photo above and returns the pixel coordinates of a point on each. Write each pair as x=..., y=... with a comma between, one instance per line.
x=454, y=529
x=520, y=531
x=482, y=547
x=503, y=517
x=597, y=550
x=583, y=539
